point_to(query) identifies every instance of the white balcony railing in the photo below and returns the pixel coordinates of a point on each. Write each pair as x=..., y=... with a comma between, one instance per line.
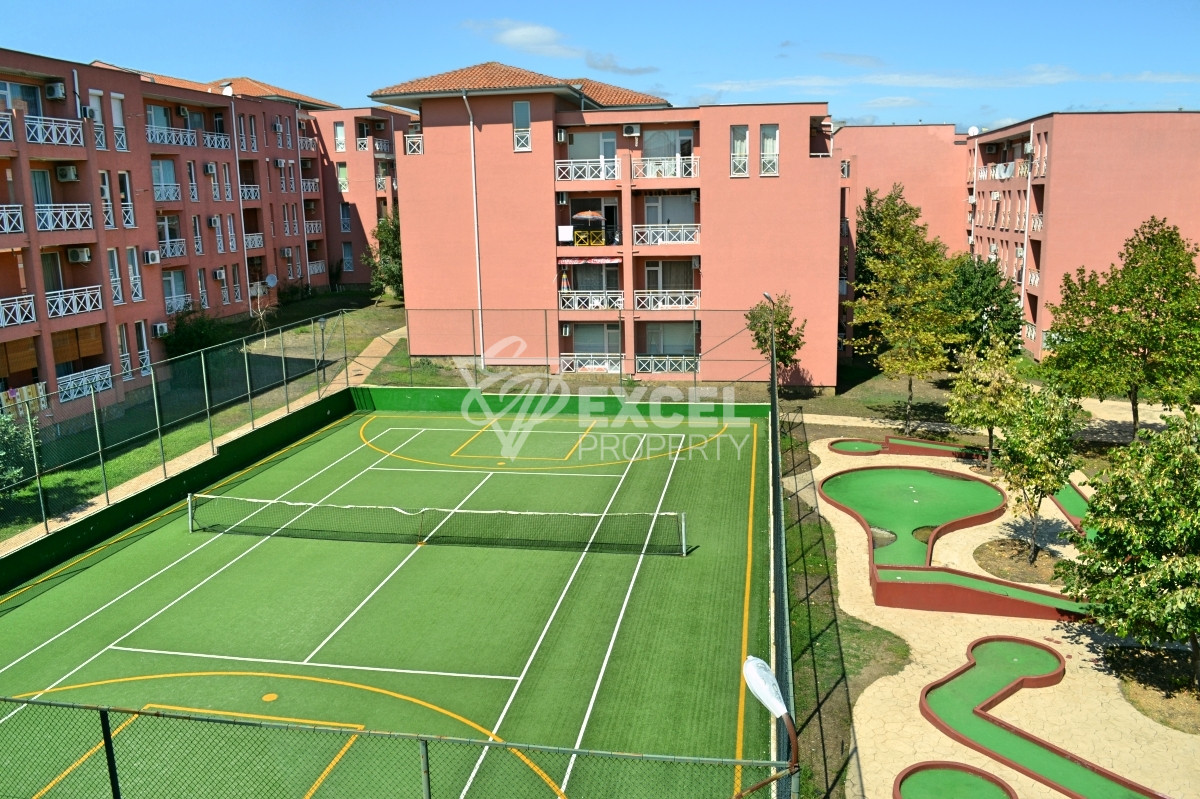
x=69, y=216
x=1035, y=277
x=99, y=134
x=522, y=140
x=343, y=184
x=316, y=267
x=69, y=302
x=1030, y=331
x=589, y=362
x=308, y=143
x=167, y=192
x=194, y=192
x=739, y=166
x=18, y=310
x=414, y=144
x=346, y=226
x=127, y=215
x=198, y=244
x=680, y=166
x=313, y=228
x=120, y=140
x=172, y=248
x=204, y=298
x=177, y=302
x=663, y=300
x=1038, y=222
x=82, y=384
x=250, y=191
x=126, y=366
x=588, y=169
x=110, y=219
x=118, y=295
x=50, y=130
x=135, y=288
x=6, y=133
x=650, y=235
x=144, y=362
x=383, y=146
x=381, y=183
x=217, y=141
x=12, y=219
x=180, y=137
x=310, y=185
x=768, y=165
x=653, y=364
x=253, y=240
x=590, y=300
x=364, y=145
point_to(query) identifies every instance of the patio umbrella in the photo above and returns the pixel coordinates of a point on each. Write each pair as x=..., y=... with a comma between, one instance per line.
x=588, y=217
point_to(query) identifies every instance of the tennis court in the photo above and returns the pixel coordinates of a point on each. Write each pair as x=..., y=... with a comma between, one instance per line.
x=589, y=583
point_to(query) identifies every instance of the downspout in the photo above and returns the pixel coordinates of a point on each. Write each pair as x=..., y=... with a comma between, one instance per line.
x=303, y=216
x=475, y=209
x=974, y=190
x=237, y=152
x=1028, y=224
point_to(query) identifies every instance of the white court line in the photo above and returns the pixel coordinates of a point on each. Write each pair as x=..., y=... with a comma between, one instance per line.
x=184, y=595
x=538, y=645
x=399, y=565
x=273, y=661
x=485, y=471
x=621, y=616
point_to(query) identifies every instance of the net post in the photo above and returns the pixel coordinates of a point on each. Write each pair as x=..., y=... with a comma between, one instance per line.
x=683, y=533
x=191, y=515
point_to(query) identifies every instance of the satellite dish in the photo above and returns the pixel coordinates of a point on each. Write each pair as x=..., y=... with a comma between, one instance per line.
x=972, y=131
x=271, y=281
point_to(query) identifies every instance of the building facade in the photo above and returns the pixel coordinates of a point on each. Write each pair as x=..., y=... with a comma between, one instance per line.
x=587, y=227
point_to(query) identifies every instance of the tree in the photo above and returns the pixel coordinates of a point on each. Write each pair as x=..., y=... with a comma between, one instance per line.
x=902, y=311
x=987, y=390
x=384, y=259
x=1036, y=454
x=16, y=454
x=1140, y=572
x=994, y=307
x=789, y=337
x=191, y=329
x=1135, y=329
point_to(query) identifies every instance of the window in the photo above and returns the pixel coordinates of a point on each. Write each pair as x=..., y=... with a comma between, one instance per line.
x=13, y=93
x=134, y=267
x=51, y=272
x=110, y=220
x=845, y=169
x=768, y=152
x=228, y=185
x=197, y=237
x=232, y=233
x=522, y=141
x=162, y=172
x=345, y=211
x=158, y=116
x=123, y=350
x=168, y=228
x=343, y=177
x=339, y=137
x=287, y=129
x=114, y=276
x=347, y=257
x=739, y=151
x=254, y=134
x=125, y=190
x=218, y=121
x=287, y=222
x=669, y=276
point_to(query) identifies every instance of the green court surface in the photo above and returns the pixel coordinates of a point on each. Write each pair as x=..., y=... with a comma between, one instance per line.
x=855, y=446
x=353, y=628
x=997, y=665
x=946, y=782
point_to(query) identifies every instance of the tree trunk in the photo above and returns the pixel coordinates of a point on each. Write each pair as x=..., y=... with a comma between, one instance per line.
x=1195, y=659
x=1133, y=401
x=1034, y=548
x=908, y=408
x=990, y=429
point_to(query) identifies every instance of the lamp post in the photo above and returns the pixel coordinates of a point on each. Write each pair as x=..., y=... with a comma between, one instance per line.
x=762, y=683
x=321, y=324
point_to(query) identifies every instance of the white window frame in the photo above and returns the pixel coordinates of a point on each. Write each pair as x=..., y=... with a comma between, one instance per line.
x=522, y=136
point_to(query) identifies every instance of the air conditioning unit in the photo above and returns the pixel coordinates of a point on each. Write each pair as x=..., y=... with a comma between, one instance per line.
x=160, y=329
x=971, y=200
x=280, y=163
x=182, y=111
x=561, y=198
x=380, y=126
x=66, y=174
x=970, y=239
x=695, y=195
x=79, y=255
x=219, y=274
x=632, y=131
x=56, y=91
x=995, y=195
x=87, y=112
x=566, y=329
x=151, y=257
x=277, y=127
x=1028, y=147
x=560, y=135
x=989, y=148
x=210, y=168
x=695, y=262
x=214, y=221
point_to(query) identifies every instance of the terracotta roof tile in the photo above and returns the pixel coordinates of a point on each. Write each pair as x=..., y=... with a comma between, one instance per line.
x=256, y=88
x=607, y=94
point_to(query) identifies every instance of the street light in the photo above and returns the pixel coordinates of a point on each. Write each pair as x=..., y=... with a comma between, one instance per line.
x=762, y=683
x=321, y=324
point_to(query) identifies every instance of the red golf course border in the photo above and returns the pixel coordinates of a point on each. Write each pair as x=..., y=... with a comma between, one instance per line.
x=946, y=765
x=893, y=445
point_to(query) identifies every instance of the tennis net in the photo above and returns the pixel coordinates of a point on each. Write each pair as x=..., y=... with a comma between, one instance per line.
x=652, y=533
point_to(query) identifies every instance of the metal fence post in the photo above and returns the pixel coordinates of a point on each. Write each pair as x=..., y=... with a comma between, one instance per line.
x=99, y=441
x=110, y=755
x=312, y=326
x=345, y=347
x=37, y=468
x=249, y=383
x=426, y=793
x=162, y=451
x=287, y=403
x=212, y=439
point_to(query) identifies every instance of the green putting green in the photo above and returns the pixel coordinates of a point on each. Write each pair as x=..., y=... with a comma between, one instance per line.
x=856, y=446
x=901, y=500
x=967, y=581
x=916, y=442
x=1074, y=503
x=946, y=781
x=997, y=665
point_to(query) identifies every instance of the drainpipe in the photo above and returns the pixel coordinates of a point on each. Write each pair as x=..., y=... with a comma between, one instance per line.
x=475, y=209
x=974, y=190
x=237, y=153
x=1028, y=224
x=303, y=216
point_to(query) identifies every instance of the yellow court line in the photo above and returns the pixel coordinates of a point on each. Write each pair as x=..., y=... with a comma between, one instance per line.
x=558, y=792
x=81, y=760
x=478, y=433
x=162, y=515
x=741, y=720
x=329, y=769
x=200, y=711
x=580, y=441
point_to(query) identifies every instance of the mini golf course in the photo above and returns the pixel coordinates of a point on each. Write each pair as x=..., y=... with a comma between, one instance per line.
x=941, y=780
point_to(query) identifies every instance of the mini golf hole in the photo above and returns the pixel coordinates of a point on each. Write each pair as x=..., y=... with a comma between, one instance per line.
x=922, y=534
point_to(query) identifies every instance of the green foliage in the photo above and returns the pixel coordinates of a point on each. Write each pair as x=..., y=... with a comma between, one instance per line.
x=987, y=390
x=1037, y=452
x=1140, y=573
x=16, y=454
x=1135, y=329
x=192, y=330
x=789, y=337
x=384, y=259
x=902, y=312
x=980, y=289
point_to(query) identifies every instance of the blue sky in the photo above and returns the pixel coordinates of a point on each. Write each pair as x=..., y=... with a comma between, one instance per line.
x=984, y=64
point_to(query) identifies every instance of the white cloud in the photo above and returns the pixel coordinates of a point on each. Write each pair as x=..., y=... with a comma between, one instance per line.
x=853, y=59
x=893, y=102
x=542, y=40
x=607, y=63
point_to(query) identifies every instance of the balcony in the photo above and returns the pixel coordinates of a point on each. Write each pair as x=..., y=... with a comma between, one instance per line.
x=1035, y=277
x=100, y=134
x=19, y=400
x=18, y=310
x=308, y=143
x=588, y=169
x=569, y=362
x=217, y=141
x=194, y=192
x=590, y=300
x=657, y=364
x=346, y=226
x=383, y=146
x=343, y=184
x=522, y=140
x=177, y=302
x=179, y=137
x=414, y=144
x=49, y=130
x=665, y=300
x=1038, y=168
x=316, y=268
x=81, y=384
x=313, y=228
x=69, y=302
x=680, y=166
x=127, y=215
x=310, y=185
x=381, y=183
x=12, y=219
x=172, y=248
x=253, y=241
x=69, y=216
x=364, y=145
x=1030, y=331
x=167, y=192
x=250, y=191
x=596, y=237
x=120, y=140
x=6, y=133
x=652, y=235
x=1038, y=222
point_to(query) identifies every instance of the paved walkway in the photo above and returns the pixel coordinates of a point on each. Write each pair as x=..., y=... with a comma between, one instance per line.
x=1085, y=714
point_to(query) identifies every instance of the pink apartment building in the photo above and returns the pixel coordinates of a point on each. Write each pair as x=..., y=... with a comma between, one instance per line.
x=608, y=231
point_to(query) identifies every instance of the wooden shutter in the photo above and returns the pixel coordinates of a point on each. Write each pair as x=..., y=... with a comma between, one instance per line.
x=3, y=363
x=22, y=355
x=66, y=346
x=91, y=342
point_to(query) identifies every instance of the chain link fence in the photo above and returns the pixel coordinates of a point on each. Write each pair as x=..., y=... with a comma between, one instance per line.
x=88, y=751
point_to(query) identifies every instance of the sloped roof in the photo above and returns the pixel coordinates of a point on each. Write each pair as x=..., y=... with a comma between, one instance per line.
x=247, y=87
x=609, y=95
